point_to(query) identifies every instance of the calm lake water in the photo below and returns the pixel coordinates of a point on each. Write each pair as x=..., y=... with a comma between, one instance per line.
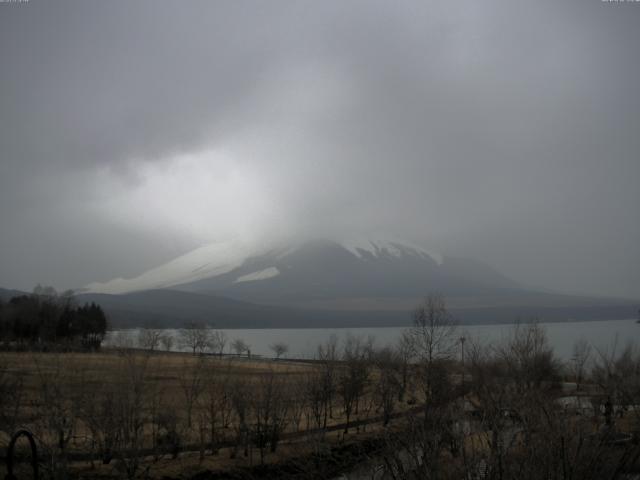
x=303, y=342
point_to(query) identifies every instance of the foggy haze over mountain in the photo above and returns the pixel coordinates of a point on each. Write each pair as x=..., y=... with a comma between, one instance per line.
x=132, y=133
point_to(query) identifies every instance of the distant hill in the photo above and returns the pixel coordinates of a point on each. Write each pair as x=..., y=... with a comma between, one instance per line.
x=6, y=294
x=173, y=309
x=170, y=308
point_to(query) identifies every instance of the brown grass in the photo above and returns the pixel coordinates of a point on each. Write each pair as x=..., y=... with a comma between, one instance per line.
x=75, y=373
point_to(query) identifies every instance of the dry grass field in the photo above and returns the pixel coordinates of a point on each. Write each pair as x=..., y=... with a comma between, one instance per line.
x=166, y=374
x=127, y=413
x=174, y=414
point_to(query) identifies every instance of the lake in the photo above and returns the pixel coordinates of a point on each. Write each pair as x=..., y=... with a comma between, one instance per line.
x=303, y=342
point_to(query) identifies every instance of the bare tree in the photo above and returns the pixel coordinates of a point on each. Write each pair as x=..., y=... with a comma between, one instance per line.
x=269, y=411
x=162, y=420
x=122, y=340
x=195, y=337
x=149, y=338
x=279, y=349
x=167, y=342
x=433, y=338
x=618, y=374
x=387, y=382
x=129, y=411
x=491, y=384
x=316, y=399
x=12, y=398
x=579, y=359
x=55, y=415
x=96, y=409
x=297, y=398
x=239, y=346
x=433, y=333
x=192, y=385
x=166, y=428
x=328, y=357
x=529, y=357
x=403, y=354
x=216, y=404
x=218, y=342
x=240, y=397
x=353, y=376
x=524, y=433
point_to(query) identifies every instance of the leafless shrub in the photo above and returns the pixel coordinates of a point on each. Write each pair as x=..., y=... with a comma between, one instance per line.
x=279, y=349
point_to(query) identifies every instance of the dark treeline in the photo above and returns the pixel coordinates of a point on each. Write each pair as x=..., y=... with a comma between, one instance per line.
x=45, y=318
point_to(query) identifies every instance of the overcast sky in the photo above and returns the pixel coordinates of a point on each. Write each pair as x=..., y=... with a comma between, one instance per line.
x=507, y=131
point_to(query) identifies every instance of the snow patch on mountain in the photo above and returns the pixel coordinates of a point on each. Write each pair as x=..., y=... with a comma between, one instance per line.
x=361, y=247
x=260, y=275
x=204, y=262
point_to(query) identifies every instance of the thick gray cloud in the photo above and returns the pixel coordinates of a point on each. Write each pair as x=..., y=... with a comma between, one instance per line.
x=507, y=131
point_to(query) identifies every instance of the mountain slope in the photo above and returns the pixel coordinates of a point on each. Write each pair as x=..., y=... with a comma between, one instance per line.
x=319, y=269
x=207, y=261
x=329, y=283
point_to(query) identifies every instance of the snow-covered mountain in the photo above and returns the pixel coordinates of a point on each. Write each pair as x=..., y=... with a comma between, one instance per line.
x=319, y=273
x=322, y=283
